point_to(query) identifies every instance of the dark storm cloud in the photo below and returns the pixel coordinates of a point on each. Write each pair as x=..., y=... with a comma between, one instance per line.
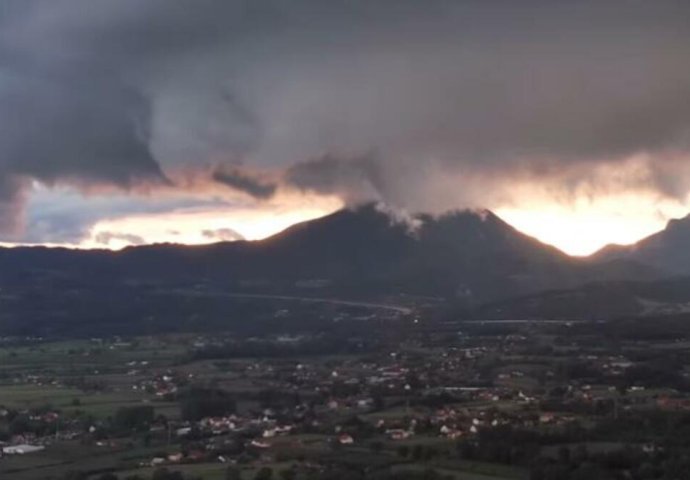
x=74, y=130
x=353, y=178
x=10, y=198
x=244, y=182
x=67, y=121
x=119, y=91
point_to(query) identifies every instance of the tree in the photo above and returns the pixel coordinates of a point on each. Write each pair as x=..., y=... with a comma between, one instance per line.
x=137, y=417
x=197, y=403
x=264, y=473
x=233, y=473
x=20, y=424
x=75, y=475
x=417, y=452
x=288, y=474
x=580, y=454
x=376, y=446
x=564, y=455
x=165, y=474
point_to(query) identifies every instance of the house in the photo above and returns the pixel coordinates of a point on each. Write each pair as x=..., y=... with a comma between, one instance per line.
x=283, y=429
x=175, y=457
x=672, y=403
x=398, y=434
x=260, y=444
x=547, y=417
x=22, y=449
x=450, y=433
x=196, y=455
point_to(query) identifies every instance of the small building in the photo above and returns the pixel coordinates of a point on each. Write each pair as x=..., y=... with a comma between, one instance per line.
x=22, y=449
x=399, y=434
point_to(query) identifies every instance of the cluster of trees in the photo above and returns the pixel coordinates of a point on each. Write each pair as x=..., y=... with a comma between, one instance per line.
x=199, y=402
x=137, y=418
x=19, y=423
x=124, y=421
x=16, y=422
x=571, y=459
x=625, y=462
x=418, y=452
x=340, y=472
x=159, y=474
x=321, y=345
x=267, y=473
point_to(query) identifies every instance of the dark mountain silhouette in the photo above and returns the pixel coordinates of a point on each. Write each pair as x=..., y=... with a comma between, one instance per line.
x=668, y=249
x=471, y=256
x=595, y=301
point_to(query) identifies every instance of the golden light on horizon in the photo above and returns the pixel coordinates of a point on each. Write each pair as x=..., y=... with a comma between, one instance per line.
x=198, y=226
x=578, y=225
x=587, y=225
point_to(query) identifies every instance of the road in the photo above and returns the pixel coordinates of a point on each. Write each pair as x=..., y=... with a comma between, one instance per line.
x=525, y=321
x=332, y=301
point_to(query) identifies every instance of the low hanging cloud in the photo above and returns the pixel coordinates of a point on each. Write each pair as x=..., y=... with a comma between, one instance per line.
x=244, y=182
x=106, y=238
x=355, y=178
x=222, y=234
x=65, y=216
x=11, y=198
x=459, y=100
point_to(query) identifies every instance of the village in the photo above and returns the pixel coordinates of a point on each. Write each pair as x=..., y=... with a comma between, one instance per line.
x=457, y=400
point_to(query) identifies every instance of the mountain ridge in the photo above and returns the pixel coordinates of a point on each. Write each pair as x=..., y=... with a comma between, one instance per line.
x=666, y=249
x=472, y=255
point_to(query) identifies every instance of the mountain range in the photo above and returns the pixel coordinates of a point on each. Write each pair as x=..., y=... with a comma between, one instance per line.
x=666, y=253
x=353, y=252
x=667, y=250
x=472, y=258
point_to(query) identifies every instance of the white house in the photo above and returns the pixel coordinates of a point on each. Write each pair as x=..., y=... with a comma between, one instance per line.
x=22, y=449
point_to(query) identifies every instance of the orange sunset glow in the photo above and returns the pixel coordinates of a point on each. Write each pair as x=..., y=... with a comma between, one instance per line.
x=580, y=228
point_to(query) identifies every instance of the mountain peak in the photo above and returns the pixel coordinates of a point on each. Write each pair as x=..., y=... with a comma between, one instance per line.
x=678, y=223
x=666, y=250
x=364, y=251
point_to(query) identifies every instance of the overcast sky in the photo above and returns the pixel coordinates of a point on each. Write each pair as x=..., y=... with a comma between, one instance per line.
x=545, y=111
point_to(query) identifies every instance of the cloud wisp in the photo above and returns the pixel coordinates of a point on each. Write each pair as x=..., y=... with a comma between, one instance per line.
x=236, y=179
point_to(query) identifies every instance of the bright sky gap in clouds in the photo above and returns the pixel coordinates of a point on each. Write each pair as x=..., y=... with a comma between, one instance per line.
x=137, y=121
